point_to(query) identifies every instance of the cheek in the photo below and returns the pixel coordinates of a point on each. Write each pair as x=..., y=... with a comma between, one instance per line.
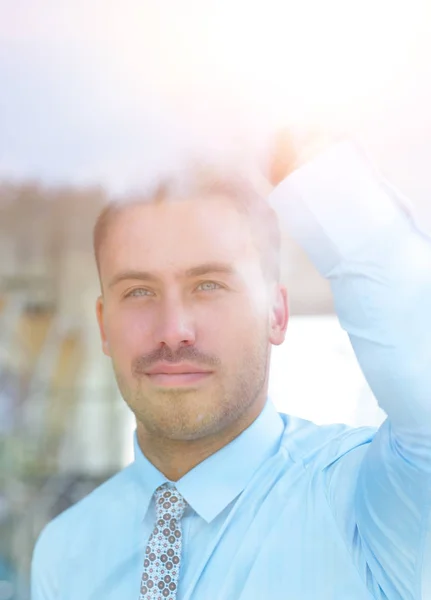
x=128, y=331
x=232, y=325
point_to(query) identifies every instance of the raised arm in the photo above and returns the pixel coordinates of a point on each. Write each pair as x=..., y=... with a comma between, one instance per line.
x=362, y=237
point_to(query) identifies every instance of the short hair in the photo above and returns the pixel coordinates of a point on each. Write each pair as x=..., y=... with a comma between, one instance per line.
x=203, y=183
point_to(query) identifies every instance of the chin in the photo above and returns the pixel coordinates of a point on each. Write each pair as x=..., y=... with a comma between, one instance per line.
x=186, y=426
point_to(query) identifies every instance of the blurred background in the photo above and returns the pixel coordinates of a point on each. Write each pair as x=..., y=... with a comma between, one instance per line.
x=101, y=98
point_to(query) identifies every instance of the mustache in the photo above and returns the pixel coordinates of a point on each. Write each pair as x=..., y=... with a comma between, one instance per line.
x=141, y=364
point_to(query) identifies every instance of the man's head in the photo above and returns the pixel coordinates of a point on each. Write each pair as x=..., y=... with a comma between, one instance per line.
x=190, y=282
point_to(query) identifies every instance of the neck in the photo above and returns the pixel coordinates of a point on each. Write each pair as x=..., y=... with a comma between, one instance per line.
x=175, y=458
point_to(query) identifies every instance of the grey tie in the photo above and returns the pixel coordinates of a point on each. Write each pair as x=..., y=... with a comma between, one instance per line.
x=163, y=552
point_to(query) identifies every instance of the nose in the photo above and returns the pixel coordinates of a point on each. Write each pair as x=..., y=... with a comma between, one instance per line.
x=174, y=325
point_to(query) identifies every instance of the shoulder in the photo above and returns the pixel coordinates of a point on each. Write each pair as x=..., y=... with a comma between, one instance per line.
x=86, y=514
x=321, y=445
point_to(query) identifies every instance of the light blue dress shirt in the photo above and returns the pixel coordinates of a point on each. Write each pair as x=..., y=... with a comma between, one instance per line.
x=290, y=510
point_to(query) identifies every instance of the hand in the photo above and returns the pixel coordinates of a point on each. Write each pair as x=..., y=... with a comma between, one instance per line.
x=291, y=150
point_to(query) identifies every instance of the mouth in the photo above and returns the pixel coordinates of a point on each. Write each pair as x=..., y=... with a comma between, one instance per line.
x=178, y=379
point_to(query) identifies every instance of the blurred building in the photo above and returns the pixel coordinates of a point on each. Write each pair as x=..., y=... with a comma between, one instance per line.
x=60, y=419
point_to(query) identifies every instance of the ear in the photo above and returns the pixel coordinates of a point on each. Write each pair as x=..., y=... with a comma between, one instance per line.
x=279, y=316
x=99, y=314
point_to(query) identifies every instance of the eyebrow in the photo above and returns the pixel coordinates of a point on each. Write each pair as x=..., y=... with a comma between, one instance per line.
x=204, y=269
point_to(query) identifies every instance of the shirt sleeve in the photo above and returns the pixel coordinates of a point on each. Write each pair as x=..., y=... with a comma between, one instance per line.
x=362, y=236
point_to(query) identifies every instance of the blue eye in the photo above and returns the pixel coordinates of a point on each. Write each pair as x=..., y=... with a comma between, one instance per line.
x=209, y=286
x=138, y=292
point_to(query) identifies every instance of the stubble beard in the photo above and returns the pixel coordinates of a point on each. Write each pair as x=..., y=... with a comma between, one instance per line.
x=191, y=414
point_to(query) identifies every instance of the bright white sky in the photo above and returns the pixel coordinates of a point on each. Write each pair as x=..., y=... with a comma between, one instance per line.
x=117, y=91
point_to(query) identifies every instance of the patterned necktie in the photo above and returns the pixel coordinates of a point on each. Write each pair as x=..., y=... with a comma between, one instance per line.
x=163, y=552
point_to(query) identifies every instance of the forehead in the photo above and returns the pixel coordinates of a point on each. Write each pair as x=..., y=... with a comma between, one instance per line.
x=172, y=236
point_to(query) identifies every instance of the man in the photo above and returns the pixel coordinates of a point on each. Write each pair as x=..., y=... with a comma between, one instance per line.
x=228, y=499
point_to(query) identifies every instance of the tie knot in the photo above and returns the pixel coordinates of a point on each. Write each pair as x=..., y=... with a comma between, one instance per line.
x=169, y=503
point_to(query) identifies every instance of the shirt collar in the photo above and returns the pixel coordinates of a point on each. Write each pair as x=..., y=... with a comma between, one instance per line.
x=215, y=482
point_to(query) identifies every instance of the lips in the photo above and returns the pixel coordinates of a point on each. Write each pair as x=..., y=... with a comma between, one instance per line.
x=170, y=369
x=184, y=375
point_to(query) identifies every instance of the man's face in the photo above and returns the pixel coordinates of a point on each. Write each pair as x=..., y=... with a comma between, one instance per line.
x=187, y=316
